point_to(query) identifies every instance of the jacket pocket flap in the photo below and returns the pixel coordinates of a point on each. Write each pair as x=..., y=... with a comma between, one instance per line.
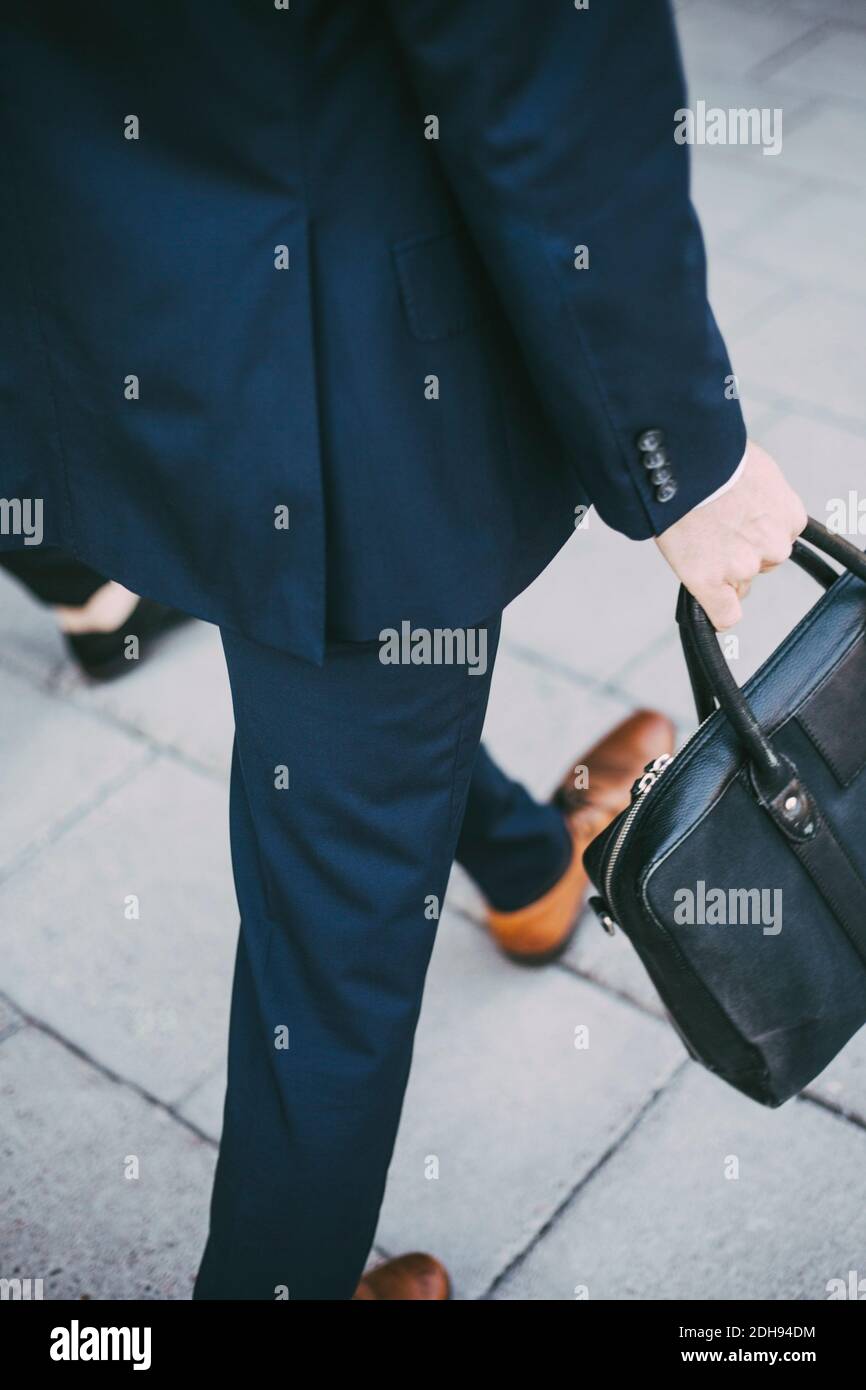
x=443, y=285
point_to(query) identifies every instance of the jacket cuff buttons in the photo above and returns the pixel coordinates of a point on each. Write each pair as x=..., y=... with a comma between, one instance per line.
x=654, y=457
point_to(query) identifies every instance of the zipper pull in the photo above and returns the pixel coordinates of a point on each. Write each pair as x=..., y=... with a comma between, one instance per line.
x=603, y=913
x=651, y=774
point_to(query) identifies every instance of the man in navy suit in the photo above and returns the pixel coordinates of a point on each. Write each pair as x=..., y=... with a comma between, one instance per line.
x=320, y=319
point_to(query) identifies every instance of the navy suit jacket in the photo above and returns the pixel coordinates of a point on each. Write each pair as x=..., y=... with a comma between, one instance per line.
x=322, y=258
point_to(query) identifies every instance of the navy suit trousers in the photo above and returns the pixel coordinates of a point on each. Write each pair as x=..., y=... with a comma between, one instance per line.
x=340, y=876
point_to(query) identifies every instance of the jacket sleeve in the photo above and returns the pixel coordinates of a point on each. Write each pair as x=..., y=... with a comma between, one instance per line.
x=556, y=132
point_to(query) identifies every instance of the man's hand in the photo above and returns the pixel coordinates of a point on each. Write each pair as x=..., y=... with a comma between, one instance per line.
x=717, y=550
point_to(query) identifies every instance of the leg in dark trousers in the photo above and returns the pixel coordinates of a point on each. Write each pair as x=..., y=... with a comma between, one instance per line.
x=96, y=633
x=52, y=576
x=514, y=847
x=340, y=875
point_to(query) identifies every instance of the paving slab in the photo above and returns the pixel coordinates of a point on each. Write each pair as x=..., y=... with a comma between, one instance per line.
x=713, y=36
x=56, y=761
x=773, y=7
x=741, y=293
x=69, y=1214
x=203, y=1107
x=733, y=195
x=577, y=615
x=10, y=1019
x=824, y=462
x=843, y=1083
x=810, y=352
x=611, y=961
x=851, y=11
x=736, y=86
x=819, y=241
x=29, y=639
x=462, y=895
x=826, y=142
x=661, y=1220
x=831, y=66
x=178, y=698
x=661, y=676
x=146, y=998
x=504, y=1106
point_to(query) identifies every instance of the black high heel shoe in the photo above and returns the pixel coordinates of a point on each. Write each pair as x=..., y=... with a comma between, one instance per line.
x=102, y=655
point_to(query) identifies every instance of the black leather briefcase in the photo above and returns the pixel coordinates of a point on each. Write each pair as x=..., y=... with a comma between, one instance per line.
x=739, y=870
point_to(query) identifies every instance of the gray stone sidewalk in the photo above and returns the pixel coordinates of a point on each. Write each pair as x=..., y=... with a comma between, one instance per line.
x=559, y=1170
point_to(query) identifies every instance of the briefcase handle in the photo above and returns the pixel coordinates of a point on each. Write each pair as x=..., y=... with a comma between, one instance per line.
x=710, y=675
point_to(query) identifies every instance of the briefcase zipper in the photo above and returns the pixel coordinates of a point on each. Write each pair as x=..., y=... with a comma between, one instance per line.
x=651, y=774
x=642, y=786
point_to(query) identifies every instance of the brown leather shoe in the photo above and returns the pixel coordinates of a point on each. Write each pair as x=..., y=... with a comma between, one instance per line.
x=540, y=931
x=407, y=1277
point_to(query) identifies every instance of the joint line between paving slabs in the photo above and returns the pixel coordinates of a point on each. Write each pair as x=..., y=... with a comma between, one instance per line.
x=570, y=1197
x=30, y=1020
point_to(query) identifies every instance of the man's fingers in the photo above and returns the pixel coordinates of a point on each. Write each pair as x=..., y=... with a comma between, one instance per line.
x=800, y=518
x=774, y=544
x=776, y=553
x=722, y=606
